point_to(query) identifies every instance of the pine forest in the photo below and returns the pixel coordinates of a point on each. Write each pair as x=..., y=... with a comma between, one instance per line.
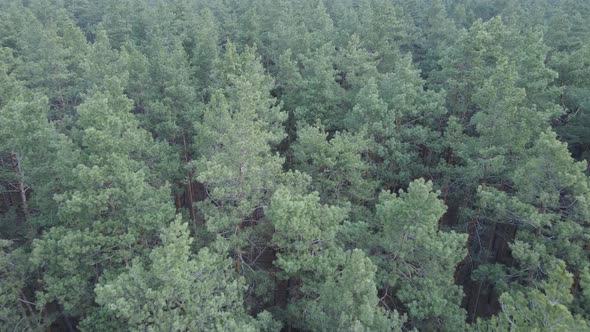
x=294, y=165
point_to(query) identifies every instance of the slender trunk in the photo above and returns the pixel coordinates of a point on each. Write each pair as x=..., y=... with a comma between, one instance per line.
x=22, y=189
x=190, y=197
x=189, y=190
x=69, y=324
x=177, y=202
x=27, y=310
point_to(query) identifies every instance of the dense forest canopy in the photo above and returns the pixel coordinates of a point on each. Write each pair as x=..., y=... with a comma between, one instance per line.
x=294, y=165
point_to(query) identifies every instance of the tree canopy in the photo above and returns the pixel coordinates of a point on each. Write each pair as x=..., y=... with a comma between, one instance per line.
x=309, y=165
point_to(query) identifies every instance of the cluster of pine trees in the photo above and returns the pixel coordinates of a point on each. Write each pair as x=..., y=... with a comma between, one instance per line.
x=296, y=165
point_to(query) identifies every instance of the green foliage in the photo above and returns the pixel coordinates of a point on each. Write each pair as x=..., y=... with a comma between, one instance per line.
x=574, y=70
x=336, y=165
x=234, y=139
x=176, y=290
x=418, y=260
x=274, y=126
x=15, y=310
x=542, y=309
x=238, y=166
x=108, y=212
x=550, y=209
x=480, y=52
x=205, y=52
x=347, y=301
x=50, y=54
x=316, y=96
x=338, y=288
x=304, y=228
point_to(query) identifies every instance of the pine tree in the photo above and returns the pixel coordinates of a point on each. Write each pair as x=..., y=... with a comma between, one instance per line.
x=50, y=56
x=16, y=310
x=348, y=301
x=336, y=165
x=417, y=260
x=318, y=94
x=309, y=256
x=357, y=68
x=383, y=30
x=237, y=164
x=574, y=69
x=239, y=125
x=108, y=212
x=184, y=291
x=205, y=53
x=548, y=209
x=544, y=308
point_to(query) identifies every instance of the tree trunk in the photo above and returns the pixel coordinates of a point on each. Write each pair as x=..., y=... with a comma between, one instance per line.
x=22, y=189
